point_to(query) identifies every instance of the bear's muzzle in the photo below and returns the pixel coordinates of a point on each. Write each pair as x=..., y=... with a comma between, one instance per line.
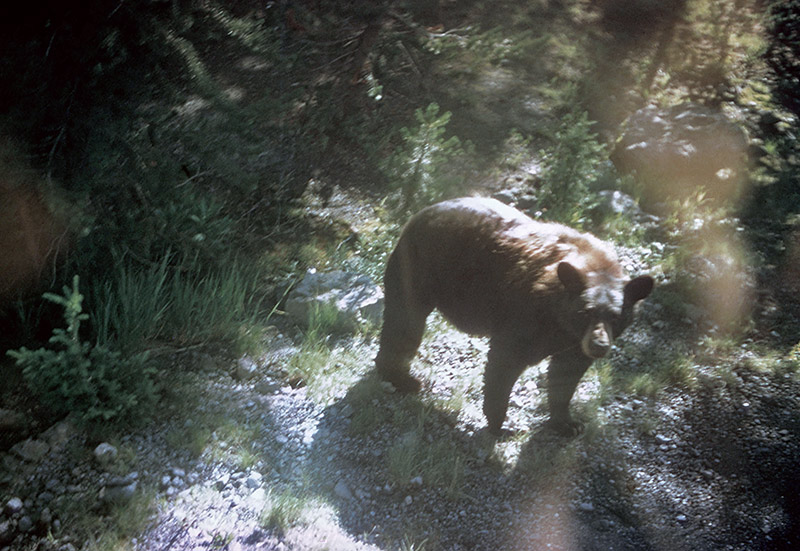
x=596, y=341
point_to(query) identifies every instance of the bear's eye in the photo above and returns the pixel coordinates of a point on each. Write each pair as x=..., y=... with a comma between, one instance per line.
x=604, y=313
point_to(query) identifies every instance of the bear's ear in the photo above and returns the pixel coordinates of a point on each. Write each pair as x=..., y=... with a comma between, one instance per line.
x=638, y=288
x=571, y=277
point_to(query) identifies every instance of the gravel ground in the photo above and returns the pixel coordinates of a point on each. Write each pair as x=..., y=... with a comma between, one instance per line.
x=262, y=464
x=714, y=467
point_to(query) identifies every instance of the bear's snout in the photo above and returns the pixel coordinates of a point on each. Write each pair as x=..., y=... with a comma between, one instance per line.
x=596, y=341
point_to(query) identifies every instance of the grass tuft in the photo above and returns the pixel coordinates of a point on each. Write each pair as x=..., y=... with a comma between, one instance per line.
x=438, y=463
x=283, y=511
x=140, y=307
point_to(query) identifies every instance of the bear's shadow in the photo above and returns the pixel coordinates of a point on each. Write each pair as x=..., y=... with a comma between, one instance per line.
x=361, y=435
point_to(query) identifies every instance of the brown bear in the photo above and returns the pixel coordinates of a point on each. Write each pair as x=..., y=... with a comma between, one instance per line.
x=536, y=289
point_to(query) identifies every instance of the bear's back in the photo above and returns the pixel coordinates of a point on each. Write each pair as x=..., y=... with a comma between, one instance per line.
x=476, y=259
x=465, y=227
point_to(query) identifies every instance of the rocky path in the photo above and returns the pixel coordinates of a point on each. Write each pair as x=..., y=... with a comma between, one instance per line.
x=242, y=457
x=713, y=468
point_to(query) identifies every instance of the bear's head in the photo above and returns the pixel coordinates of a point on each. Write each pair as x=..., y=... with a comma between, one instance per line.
x=599, y=306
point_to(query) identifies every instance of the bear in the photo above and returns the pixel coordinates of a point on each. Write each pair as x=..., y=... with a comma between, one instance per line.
x=535, y=289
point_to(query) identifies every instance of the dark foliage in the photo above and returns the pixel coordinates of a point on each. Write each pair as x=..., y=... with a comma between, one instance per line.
x=63, y=60
x=783, y=54
x=770, y=211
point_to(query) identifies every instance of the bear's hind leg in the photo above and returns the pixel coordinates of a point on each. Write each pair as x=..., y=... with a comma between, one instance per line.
x=400, y=338
x=404, y=315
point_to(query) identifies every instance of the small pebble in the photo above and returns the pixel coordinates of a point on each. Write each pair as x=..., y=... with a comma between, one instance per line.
x=13, y=506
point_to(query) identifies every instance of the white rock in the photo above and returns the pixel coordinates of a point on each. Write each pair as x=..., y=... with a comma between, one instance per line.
x=245, y=369
x=621, y=204
x=258, y=498
x=355, y=298
x=46, y=517
x=25, y=524
x=677, y=147
x=254, y=480
x=11, y=420
x=166, y=480
x=222, y=481
x=105, y=454
x=13, y=506
x=59, y=434
x=118, y=494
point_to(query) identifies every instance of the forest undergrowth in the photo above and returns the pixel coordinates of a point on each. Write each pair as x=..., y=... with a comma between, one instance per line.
x=188, y=162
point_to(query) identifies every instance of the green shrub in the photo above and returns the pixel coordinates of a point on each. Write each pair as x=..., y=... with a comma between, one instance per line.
x=621, y=229
x=570, y=167
x=664, y=369
x=321, y=364
x=516, y=149
x=474, y=49
x=644, y=384
x=213, y=306
x=429, y=166
x=309, y=363
x=72, y=376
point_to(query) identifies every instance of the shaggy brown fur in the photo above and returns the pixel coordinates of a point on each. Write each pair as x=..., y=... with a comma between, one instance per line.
x=536, y=289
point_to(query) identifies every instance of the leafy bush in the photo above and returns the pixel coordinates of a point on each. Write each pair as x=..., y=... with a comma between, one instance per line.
x=429, y=166
x=494, y=46
x=93, y=382
x=570, y=167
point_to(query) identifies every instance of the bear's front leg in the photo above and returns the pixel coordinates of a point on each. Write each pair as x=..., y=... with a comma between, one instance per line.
x=503, y=368
x=563, y=375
